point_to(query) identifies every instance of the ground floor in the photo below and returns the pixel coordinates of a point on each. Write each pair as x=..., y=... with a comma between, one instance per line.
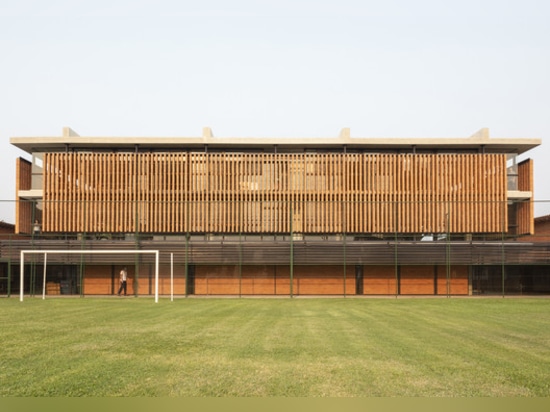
x=275, y=267
x=278, y=280
x=212, y=280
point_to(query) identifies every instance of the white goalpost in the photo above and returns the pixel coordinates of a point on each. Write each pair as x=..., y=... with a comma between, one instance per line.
x=81, y=252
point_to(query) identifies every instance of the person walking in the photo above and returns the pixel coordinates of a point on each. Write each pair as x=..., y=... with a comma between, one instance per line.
x=123, y=281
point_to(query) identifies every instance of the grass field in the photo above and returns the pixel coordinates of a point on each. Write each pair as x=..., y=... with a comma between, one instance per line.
x=275, y=347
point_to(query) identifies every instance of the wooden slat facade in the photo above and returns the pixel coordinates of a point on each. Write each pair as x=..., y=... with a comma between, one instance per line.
x=526, y=211
x=23, y=210
x=275, y=193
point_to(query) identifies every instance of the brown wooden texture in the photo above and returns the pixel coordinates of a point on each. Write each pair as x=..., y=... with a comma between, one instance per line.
x=379, y=280
x=250, y=280
x=525, y=214
x=23, y=209
x=97, y=280
x=417, y=280
x=217, y=280
x=53, y=288
x=324, y=280
x=274, y=193
x=144, y=284
x=282, y=280
x=457, y=281
x=275, y=280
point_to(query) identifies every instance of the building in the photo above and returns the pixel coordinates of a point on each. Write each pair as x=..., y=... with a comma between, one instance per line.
x=239, y=216
x=6, y=229
x=542, y=230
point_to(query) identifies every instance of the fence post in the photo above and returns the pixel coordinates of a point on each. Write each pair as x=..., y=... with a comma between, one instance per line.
x=240, y=263
x=9, y=266
x=187, y=263
x=291, y=252
x=396, y=264
x=503, y=270
x=448, y=253
x=344, y=242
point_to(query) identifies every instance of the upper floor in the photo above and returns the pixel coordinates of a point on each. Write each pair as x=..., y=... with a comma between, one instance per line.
x=253, y=185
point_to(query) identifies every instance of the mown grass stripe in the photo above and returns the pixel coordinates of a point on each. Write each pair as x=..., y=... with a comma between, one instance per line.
x=275, y=347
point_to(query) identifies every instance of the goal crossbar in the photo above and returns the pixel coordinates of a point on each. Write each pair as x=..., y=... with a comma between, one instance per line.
x=89, y=252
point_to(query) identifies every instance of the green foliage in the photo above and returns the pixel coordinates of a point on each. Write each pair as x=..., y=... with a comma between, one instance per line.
x=275, y=347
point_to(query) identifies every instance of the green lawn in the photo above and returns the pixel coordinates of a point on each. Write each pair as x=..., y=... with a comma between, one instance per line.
x=275, y=347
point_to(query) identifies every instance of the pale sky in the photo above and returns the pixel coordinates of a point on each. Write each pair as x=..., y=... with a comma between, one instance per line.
x=288, y=68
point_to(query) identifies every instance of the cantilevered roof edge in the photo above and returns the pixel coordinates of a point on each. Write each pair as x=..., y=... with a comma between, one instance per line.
x=62, y=143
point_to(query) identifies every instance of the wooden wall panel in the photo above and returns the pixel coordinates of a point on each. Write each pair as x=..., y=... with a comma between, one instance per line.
x=458, y=280
x=146, y=284
x=417, y=280
x=258, y=280
x=282, y=280
x=324, y=280
x=97, y=280
x=525, y=213
x=274, y=193
x=379, y=280
x=217, y=280
x=270, y=280
x=275, y=280
x=23, y=209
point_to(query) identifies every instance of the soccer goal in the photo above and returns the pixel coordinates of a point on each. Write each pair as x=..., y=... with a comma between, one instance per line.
x=83, y=252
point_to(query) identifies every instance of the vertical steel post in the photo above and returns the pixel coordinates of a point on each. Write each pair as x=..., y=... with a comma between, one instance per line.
x=9, y=267
x=44, y=277
x=21, y=275
x=240, y=263
x=344, y=242
x=135, y=282
x=503, y=268
x=186, y=264
x=291, y=252
x=448, y=253
x=396, y=262
x=81, y=267
x=171, y=277
x=32, y=280
x=188, y=225
x=156, y=276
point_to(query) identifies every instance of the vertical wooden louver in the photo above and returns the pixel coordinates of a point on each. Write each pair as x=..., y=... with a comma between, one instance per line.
x=525, y=211
x=274, y=193
x=23, y=209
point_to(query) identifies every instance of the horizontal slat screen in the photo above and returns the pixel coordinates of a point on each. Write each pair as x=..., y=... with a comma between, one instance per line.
x=274, y=193
x=303, y=253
